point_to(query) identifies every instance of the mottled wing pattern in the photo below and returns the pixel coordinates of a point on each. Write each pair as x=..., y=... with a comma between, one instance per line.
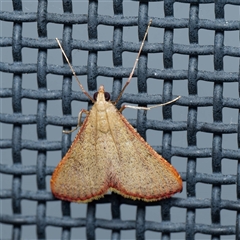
x=108, y=153
x=139, y=172
x=81, y=175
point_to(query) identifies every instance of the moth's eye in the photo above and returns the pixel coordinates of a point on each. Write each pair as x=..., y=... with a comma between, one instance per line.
x=95, y=96
x=107, y=96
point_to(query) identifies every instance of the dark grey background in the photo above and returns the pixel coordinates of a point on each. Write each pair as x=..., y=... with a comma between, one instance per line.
x=181, y=10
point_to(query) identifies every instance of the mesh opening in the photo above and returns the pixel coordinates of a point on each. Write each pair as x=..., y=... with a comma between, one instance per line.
x=192, y=51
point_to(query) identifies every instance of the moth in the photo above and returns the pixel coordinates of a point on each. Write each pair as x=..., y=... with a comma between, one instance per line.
x=108, y=154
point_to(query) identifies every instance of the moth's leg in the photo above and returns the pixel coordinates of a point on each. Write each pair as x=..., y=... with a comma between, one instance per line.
x=134, y=107
x=79, y=121
x=148, y=108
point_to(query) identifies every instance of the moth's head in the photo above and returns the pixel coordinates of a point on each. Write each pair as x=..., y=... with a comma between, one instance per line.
x=101, y=95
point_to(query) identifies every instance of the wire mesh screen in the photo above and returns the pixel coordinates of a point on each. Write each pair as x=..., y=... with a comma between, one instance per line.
x=192, y=50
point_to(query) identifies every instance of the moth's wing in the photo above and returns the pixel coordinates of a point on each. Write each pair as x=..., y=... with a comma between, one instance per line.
x=81, y=175
x=139, y=172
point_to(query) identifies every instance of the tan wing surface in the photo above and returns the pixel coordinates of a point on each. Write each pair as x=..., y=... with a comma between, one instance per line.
x=81, y=175
x=139, y=172
x=108, y=153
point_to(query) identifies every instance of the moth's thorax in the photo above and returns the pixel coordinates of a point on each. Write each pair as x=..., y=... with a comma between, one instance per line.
x=103, y=107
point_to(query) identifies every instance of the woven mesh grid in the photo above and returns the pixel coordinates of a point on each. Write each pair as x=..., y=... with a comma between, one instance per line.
x=190, y=202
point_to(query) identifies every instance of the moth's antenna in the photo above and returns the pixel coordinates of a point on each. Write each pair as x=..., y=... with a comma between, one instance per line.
x=74, y=74
x=135, y=64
